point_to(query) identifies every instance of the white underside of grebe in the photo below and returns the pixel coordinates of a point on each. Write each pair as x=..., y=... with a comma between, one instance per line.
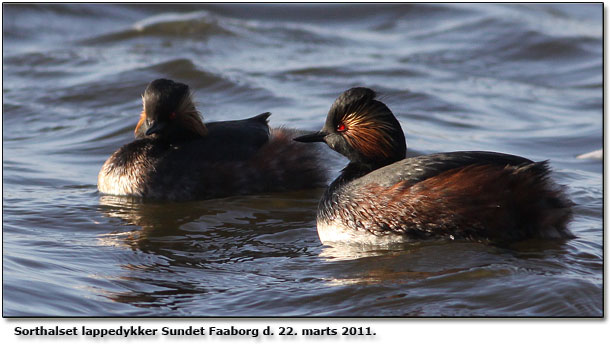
x=112, y=182
x=335, y=232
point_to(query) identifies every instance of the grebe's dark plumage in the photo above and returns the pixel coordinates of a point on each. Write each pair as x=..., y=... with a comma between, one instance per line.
x=177, y=157
x=383, y=197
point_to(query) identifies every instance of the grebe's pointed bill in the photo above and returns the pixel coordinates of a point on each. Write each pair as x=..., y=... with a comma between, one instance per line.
x=315, y=137
x=156, y=127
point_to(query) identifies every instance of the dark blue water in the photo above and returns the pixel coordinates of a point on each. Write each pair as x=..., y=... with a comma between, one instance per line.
x=521, y=79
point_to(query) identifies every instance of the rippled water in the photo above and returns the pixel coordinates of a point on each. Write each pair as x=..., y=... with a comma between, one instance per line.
x=521, y=79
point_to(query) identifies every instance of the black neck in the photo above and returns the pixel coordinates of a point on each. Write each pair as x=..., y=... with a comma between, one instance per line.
x=353, y=170
x=327, y=206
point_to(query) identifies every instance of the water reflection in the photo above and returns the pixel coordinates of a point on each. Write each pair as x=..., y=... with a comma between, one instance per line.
x=378, y=265
x=445, y=260
x=237, y=221
x=190, y=247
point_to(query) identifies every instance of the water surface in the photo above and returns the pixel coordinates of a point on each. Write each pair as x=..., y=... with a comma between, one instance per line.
x=521, y=79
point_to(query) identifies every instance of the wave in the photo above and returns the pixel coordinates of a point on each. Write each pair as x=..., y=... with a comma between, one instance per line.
x=199, y=25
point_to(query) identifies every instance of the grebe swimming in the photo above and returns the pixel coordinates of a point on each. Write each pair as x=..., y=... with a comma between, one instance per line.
x=177, y=157
x=382, y=197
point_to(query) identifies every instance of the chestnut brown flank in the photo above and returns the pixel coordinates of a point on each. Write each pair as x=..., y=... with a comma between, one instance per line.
x=477, y=201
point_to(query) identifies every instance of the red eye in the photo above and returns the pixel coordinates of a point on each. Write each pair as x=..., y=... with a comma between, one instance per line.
x=341, y=127
x=172, y=115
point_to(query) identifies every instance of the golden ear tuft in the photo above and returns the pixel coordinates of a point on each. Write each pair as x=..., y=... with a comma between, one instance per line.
x=140, y=122
x=192, y=121
x=370, y=137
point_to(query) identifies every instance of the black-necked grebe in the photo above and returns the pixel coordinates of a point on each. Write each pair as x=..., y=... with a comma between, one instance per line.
x=177, y=157
x=382, y=197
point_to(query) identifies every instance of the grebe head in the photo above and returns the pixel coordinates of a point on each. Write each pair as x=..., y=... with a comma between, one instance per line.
x=362, y=128
x=169, y=112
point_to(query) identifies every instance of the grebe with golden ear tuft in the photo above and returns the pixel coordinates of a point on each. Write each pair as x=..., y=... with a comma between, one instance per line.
x=177, y=157
x=381, y=197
